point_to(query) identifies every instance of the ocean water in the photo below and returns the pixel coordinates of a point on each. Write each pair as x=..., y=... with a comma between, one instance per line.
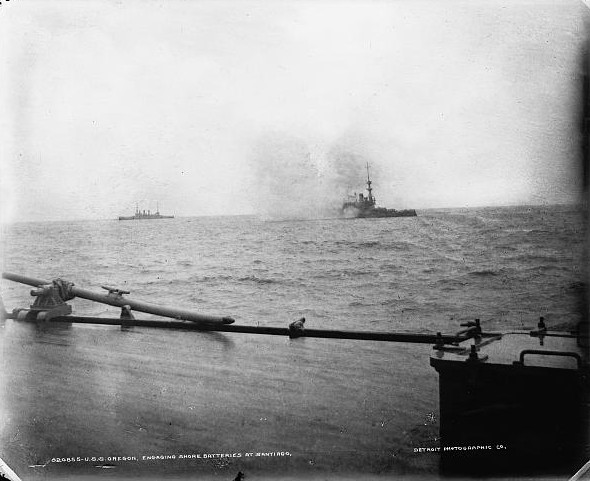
x=335, y=406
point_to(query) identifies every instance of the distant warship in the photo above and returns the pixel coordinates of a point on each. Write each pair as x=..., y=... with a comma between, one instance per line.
x=146, y=215
x=362, y=206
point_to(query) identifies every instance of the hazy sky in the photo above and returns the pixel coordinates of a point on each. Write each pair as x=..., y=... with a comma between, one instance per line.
x=274, y=107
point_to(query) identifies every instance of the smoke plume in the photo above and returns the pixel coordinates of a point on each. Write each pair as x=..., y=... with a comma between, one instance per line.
x=297, y=179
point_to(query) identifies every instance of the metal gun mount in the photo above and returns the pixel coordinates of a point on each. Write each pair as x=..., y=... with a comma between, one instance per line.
x=53, y=300
x=48, y=304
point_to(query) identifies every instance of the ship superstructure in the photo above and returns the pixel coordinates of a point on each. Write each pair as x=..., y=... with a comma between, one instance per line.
x=146, y=214
x=359, y=205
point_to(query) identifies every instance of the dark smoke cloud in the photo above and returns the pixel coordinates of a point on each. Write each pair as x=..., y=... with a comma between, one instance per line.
x=294, y=178
x=347, y=159
x=287, y=182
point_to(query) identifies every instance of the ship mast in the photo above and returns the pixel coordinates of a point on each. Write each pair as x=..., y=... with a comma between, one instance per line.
x=369, y=189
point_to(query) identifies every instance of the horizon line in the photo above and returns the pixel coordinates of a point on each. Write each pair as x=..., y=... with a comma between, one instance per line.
x=579, y=203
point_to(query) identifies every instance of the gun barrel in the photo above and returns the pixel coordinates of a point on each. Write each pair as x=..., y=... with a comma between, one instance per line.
x=120, y=301
x=30, y=281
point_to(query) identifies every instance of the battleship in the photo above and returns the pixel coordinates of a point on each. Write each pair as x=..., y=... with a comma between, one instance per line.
x=361, y=206
x=146, y=215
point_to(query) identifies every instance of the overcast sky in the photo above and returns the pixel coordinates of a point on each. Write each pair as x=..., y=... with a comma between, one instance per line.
x=274, y=107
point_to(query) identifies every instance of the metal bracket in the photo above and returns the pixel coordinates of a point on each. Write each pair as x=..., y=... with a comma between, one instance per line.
x=296, y=328
x=126, y=313
x=473, y=329
x=576, y=356
x=115, y=291
x=48, y=304
x=3, y=313
x=473, y=357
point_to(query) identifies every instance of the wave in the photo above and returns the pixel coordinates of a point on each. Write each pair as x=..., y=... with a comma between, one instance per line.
x=184, y=263
x=484, y=273
x=451, y=282
x=356, y=245
x=535, y=232
x=547, y=267
x=216, y=278
x=258, y=280
x=369, y=246
x=505, y=248
x=357, y=304
x=577, y=286
x=430, y=270
x=225, y=278
x=342, y=274
x=538, y=258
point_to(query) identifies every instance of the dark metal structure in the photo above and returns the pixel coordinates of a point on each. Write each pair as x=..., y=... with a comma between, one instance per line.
x=51, y=297
x=515, y=403
x=362, y=206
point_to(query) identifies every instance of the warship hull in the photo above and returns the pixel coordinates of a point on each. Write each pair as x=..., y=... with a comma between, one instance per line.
x=365, y=206
x=377, y=212
x=146, y=217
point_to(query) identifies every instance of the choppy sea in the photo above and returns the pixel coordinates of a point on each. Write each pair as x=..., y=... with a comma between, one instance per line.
x=341, y=407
